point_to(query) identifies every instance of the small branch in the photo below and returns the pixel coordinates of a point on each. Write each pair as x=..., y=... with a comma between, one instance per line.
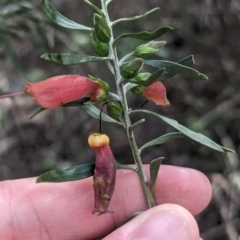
x=107, y=2
x=134, y=125
x=110, y=67
x=93, y=6
x=113, y=97
x=123, y=166
x=135, y=17
x=100, y=117
x=125, y=58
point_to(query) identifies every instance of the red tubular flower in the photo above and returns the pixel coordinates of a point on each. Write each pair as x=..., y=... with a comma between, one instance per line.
x=59, y=90
x=156, y=92
x=104, y=177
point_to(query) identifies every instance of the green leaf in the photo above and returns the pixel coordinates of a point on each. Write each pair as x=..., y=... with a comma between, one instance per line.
x=154, y=168
x=187, y=61
x=95, y=113
x=74, y=173
x=197, y=137
x=146, y=36
x=70, y=59
x=163, y=139
x=227, y=149
x=59, y=19
x=173, y=68
x=68, y=174
x=70, y=104
x=135, y=17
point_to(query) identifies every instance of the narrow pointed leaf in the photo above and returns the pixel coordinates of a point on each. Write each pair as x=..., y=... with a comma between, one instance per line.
x=197, y=137
x=39, y=110
x=135, y=17
x=227, y=149
x=68, y=174
x=146, y=36
x=187, y=61
x=70, y=59
x=154, y=168
x=173, y=68
x=163, y=139
x=74, y=173
x=59, y=19
x=70, y=104
x=95, y=113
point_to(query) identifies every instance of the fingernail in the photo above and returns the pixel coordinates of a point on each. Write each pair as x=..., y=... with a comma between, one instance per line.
x=168, y=225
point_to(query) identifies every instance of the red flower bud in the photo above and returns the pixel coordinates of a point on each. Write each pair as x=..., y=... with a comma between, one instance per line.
x=104, y=177
x=156, y=92
x=59, y=90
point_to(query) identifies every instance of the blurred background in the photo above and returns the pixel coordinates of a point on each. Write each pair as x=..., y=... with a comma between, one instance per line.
x=208, y=29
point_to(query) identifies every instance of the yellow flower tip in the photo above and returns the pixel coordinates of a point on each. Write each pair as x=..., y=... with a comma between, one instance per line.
x=97, y=140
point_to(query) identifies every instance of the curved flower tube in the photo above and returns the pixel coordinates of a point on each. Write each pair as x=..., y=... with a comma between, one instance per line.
x=156, y=93
x=59, y=90
x=104, y=177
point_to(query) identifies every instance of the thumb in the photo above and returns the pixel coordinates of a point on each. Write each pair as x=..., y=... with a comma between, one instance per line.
x=166, y=222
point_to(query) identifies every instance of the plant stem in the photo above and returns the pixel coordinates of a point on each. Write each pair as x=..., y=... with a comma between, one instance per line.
x=123, y=100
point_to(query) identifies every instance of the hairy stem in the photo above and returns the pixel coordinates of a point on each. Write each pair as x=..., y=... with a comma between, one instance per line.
x=127, y=120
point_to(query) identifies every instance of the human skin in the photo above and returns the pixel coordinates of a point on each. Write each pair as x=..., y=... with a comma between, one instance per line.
x=49, y=211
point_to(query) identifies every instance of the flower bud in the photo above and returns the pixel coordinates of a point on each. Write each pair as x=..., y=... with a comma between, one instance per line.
x=100, y=48
x=114, y=109
x=59, y=90
x=138, y=90
x=156, y=93
x=148, y=49
x=103, y=32
x=131, y=69
x=141, y=77
x=104, y=177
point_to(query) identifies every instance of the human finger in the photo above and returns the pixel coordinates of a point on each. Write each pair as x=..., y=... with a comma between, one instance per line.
x=166, y=222
x=63, y=210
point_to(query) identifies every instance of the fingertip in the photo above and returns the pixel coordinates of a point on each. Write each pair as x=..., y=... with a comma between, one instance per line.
x=191, y=186
x=167, y=221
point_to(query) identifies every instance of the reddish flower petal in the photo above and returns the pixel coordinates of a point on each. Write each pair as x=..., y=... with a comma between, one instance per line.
x=104, y=174
x=156, y=92
x=59, y=90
